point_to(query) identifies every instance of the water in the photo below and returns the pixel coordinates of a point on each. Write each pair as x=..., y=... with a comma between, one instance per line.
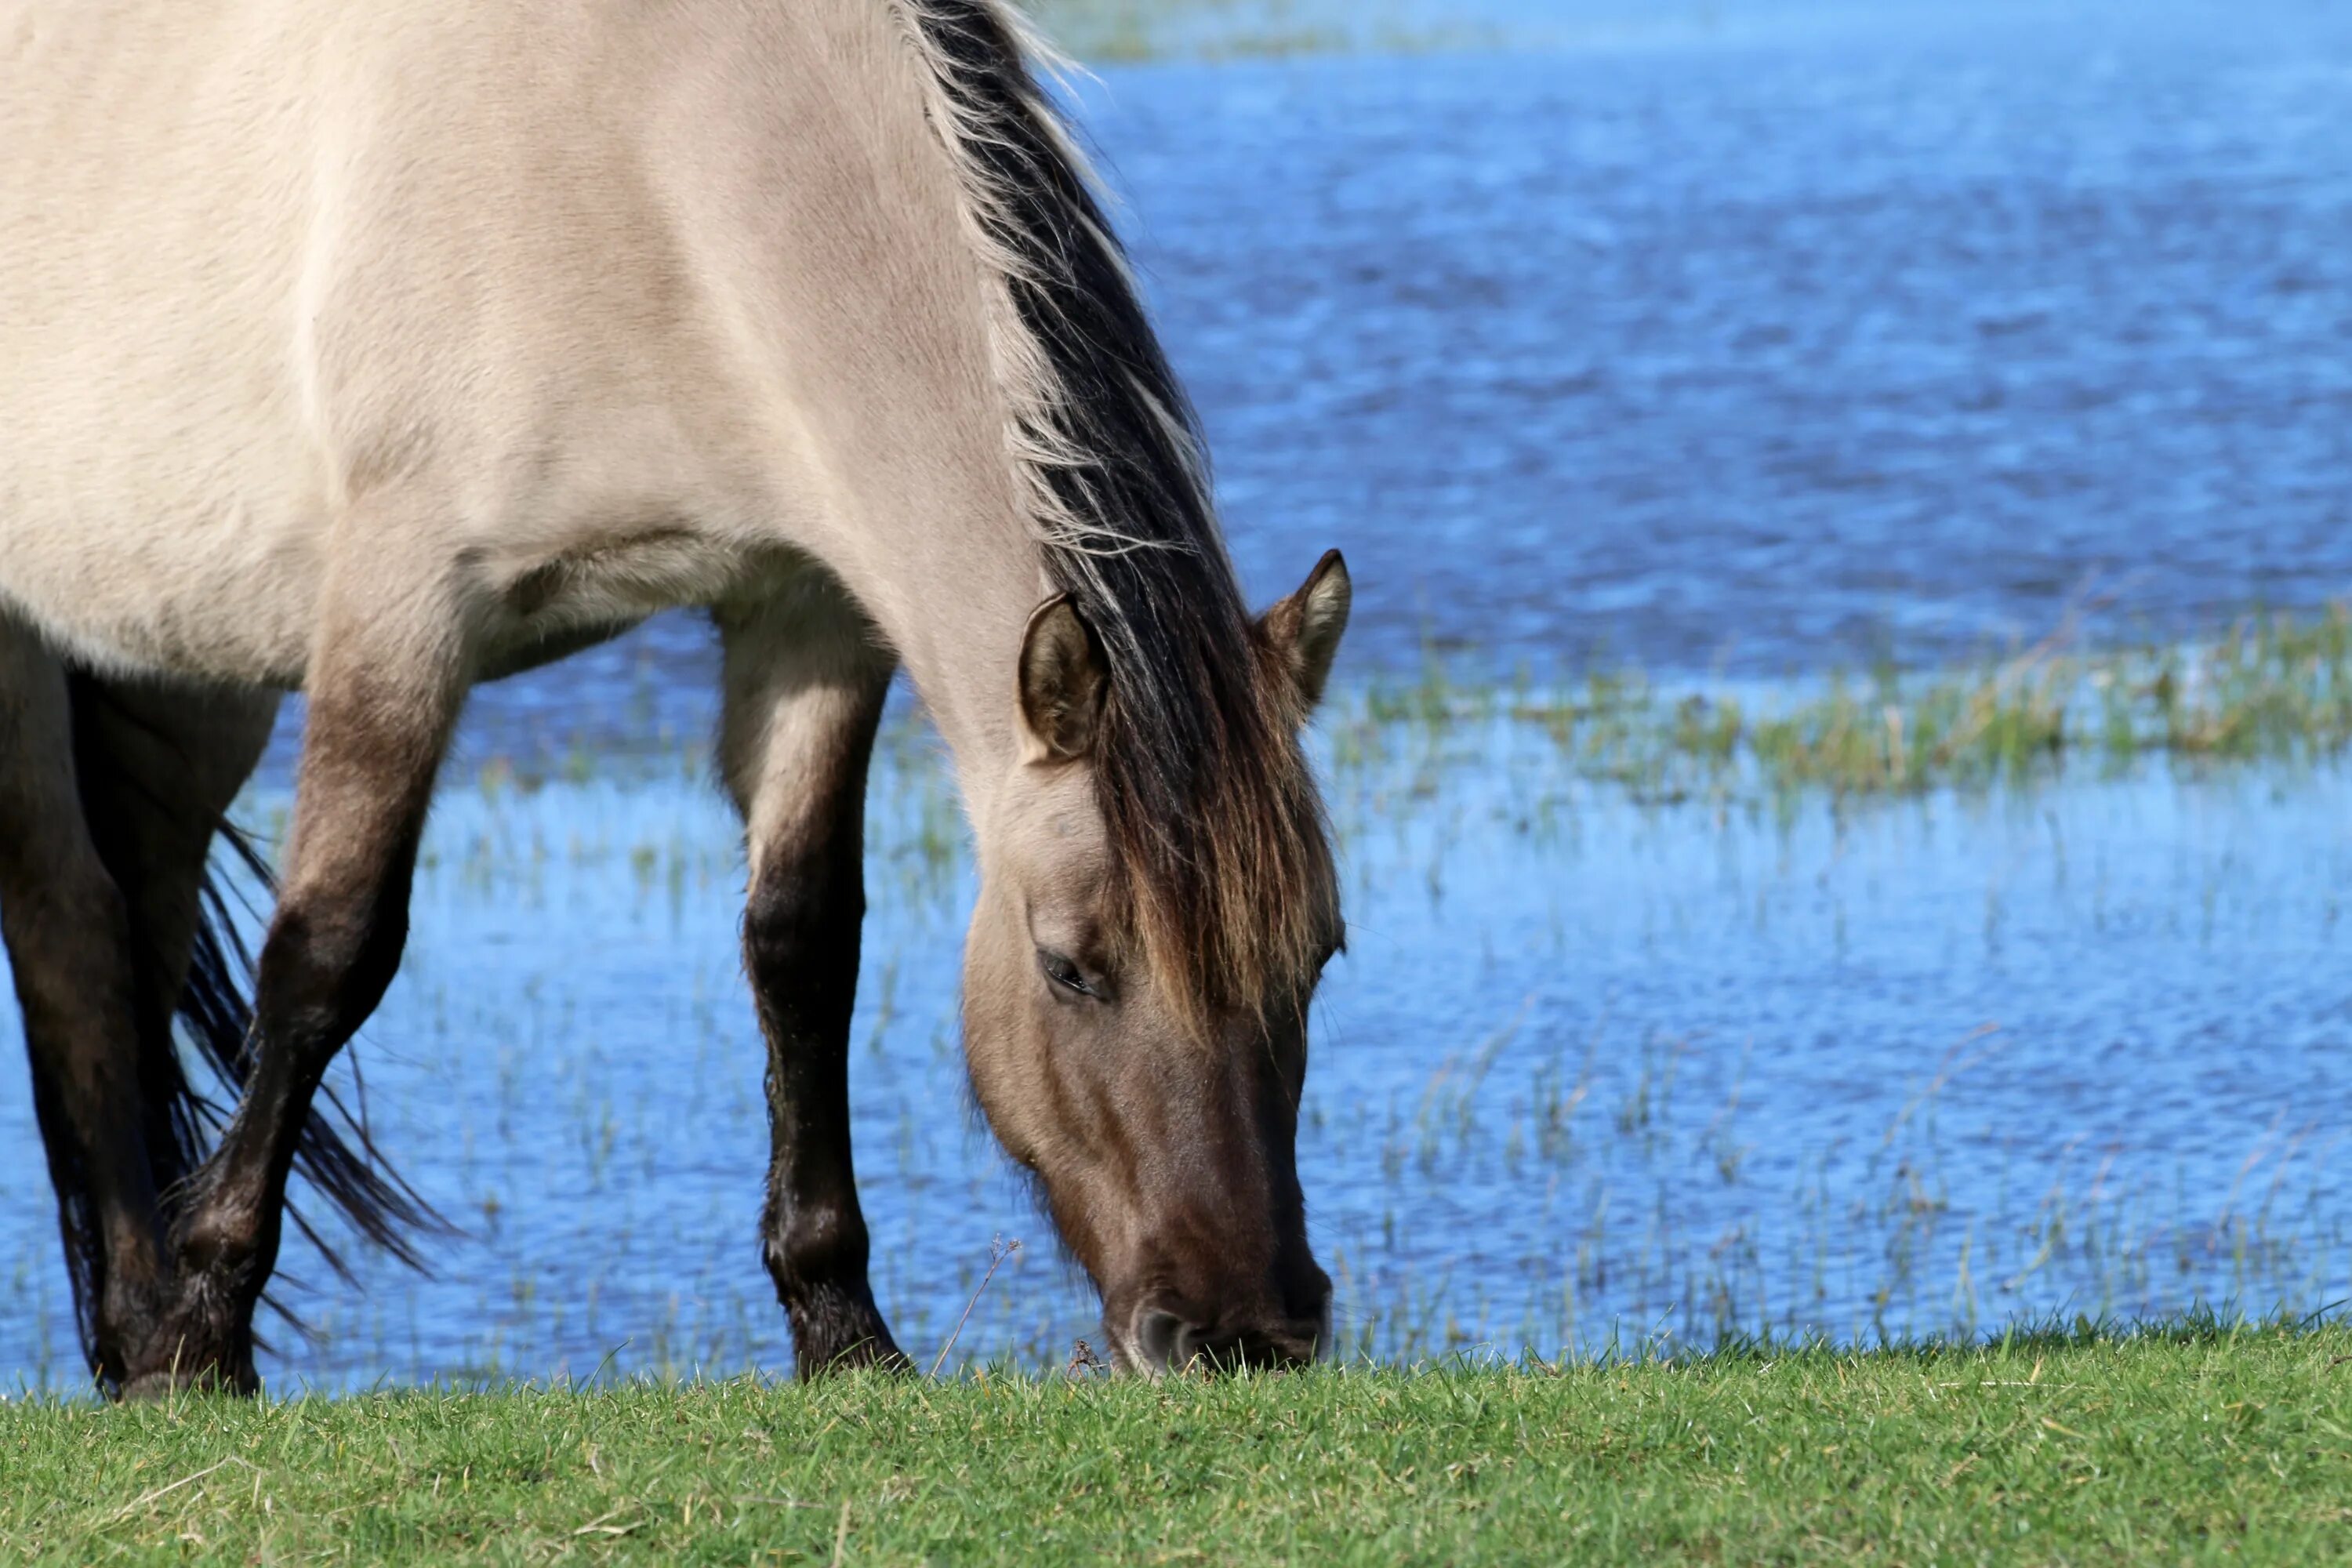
x=1761, y=340
x=1762, y=355
x=1591, y=1071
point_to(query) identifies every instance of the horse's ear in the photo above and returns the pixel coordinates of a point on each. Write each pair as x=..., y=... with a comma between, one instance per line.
x=1064, y=679
x=1302, y=632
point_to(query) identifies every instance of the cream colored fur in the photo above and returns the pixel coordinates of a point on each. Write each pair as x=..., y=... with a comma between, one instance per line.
x=653, y=302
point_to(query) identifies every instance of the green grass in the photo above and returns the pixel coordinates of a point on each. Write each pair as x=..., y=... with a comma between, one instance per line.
x=2194, y=1444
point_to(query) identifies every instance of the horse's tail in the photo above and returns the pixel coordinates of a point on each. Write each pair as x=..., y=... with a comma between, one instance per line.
x=118, y=759
x=336, y=1152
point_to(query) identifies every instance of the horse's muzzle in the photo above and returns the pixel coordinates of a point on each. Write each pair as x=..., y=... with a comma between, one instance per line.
x=1164, y=1335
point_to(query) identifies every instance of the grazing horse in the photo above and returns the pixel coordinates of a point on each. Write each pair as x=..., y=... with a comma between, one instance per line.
x=377, y=348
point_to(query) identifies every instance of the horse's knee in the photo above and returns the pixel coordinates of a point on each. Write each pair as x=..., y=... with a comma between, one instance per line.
x=325, y=966
x=816, y=1242
x=803, y=925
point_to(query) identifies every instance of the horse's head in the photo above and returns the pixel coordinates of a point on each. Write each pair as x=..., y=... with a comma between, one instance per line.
x=1144, y=1055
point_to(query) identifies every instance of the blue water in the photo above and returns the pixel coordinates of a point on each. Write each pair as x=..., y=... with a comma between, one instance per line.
x=1764, y=356
x=1760, y=338
x=1592, y=1072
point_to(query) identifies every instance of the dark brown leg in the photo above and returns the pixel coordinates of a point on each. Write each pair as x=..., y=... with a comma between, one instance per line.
x=159, y=766
x=68, y=932
x=804, y=685
x=383, y=698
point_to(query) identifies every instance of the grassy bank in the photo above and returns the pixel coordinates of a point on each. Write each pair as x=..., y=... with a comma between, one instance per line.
x=2185, y=1445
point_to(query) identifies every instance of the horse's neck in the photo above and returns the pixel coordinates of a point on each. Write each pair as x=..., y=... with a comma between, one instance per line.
x=952, y=594
x=845, y=254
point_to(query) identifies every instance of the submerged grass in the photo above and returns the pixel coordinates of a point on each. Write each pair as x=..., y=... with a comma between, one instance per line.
x=1127, y=31
x=2272, y=688
x=2192, y=1443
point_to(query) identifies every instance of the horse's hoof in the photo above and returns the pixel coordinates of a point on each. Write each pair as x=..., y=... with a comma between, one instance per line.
x=849, y=1350
x=862, y=1355
x=835, y=1328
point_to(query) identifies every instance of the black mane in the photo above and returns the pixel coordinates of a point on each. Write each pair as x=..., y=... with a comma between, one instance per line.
x=1202, y=788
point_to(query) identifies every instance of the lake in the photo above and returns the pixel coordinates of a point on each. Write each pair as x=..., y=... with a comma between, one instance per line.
x=1741, y=346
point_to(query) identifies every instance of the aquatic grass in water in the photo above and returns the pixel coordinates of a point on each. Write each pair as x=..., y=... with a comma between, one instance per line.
x=2272, y=688
x=1129, y=31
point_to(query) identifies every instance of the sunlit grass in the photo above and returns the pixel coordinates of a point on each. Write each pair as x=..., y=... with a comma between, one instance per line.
x=2194, y=1442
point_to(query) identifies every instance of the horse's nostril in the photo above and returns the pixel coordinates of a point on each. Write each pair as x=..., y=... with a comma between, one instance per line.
x=1198, y=1345
x=1160, y=1337
x=1162, y=1341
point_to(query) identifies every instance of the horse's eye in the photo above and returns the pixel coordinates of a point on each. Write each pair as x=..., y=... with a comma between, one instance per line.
x=1064, y=973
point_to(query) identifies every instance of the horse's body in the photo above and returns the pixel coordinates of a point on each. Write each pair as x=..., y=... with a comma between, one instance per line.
x=593, y=271
x=379, y=348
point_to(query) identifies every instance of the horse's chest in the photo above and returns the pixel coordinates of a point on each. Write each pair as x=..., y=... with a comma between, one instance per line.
x=605, y=584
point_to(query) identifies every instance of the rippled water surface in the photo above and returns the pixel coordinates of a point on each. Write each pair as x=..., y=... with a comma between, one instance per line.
x=1764, y=339
x=1591, y=1070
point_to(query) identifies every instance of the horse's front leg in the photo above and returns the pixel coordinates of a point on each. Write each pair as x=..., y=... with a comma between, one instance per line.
x=804, y=685
x=386, y=678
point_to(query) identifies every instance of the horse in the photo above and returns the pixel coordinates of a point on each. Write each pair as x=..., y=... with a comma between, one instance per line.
x=375, y=350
